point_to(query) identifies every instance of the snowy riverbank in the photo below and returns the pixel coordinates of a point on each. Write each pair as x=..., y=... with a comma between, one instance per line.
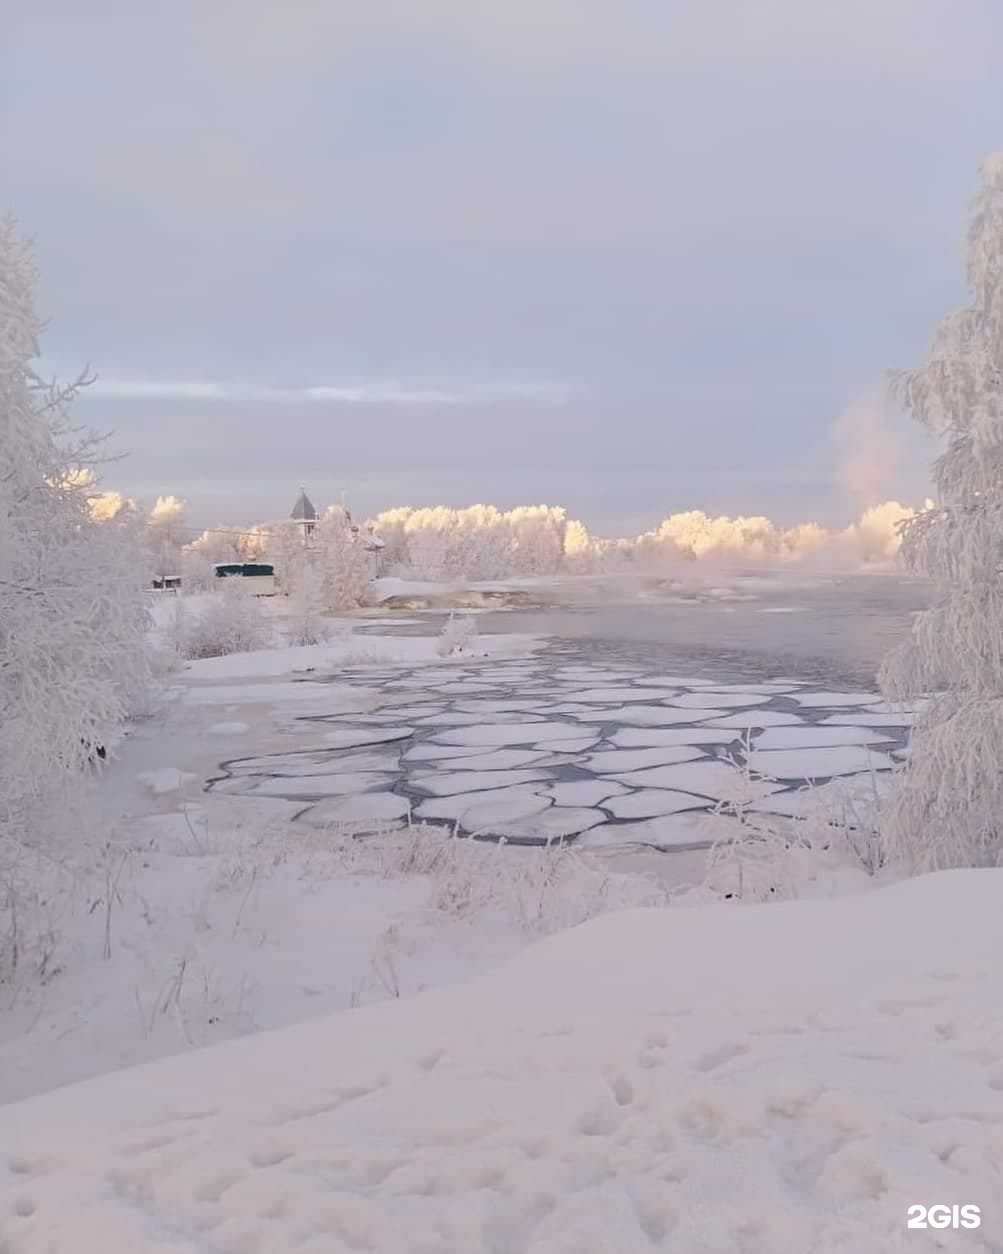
x=768, y=1079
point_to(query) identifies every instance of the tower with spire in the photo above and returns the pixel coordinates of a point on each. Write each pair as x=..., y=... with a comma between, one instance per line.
x=304, y=512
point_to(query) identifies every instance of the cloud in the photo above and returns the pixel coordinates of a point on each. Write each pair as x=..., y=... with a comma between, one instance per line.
x=691, y=229
x=476, y=118
x=386, y=392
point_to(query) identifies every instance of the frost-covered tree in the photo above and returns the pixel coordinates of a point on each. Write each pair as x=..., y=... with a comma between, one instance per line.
x=340, y=559
x=538, y=538
x=430, y=543
x=286, y=550
x=948, y=808
x=166, y=527
x=580, y=552
x=307, y=624
x=197, y=572
x=390, y=526
x=73, y=613
x=218, y=544
x=106, y=503
x=484, y=543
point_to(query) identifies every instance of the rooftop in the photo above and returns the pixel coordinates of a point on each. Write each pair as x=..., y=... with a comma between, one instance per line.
x=304, y=510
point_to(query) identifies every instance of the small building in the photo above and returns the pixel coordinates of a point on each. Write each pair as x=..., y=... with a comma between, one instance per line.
x=260, y=576
x=305, y=513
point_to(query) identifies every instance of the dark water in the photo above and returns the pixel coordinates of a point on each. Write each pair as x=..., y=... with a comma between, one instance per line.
x=833, y=629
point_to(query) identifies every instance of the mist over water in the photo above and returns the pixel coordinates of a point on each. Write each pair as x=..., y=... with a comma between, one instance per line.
x=829, y=627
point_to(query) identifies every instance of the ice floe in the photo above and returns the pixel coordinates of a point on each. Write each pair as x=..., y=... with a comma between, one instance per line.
x=650, y=802
x=448, y=783
x=818, y=763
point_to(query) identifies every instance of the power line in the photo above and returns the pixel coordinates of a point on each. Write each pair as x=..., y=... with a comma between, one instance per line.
x=195, y=532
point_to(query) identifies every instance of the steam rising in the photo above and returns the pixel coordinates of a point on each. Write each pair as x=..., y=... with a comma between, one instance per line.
x=868, y=452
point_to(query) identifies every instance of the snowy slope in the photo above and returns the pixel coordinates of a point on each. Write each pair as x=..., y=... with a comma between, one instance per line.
x=717, y=1080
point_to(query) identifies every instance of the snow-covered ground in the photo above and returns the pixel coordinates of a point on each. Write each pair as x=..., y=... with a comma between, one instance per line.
x=756, y=1080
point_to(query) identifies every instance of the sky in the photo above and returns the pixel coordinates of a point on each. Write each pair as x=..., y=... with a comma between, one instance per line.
x=628, y=256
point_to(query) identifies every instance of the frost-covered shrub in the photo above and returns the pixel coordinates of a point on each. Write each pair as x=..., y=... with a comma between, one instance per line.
x=543, y=890
x=828, y=845
x=230, y=621
x=459, y=637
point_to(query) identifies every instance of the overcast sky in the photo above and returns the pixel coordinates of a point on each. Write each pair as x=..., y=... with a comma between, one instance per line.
x=631, y=256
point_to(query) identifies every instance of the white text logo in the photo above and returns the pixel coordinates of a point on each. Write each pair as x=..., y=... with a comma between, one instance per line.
x=944, y=1216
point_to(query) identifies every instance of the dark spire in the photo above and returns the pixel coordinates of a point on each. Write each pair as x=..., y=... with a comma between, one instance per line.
x=304, y=509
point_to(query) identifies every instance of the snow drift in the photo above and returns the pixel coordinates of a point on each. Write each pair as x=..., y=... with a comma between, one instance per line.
x=753, y=1080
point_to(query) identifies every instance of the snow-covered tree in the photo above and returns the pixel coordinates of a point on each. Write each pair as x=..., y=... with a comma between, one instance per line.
x=307, y=624
x=580, y=552
x=197, y=572
x=390, y=525
x=340, y=559
x=287, y=552
x=484, y=542
x=428, y=542
x=106, y=503
x=167, y=536
x=948, y=808
x=219, y=544
x=73, y=613
x=538, y=539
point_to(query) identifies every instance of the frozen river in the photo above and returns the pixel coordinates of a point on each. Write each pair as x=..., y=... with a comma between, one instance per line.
x=620, y=730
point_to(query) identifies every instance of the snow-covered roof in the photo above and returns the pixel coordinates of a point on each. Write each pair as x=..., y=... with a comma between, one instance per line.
x=304, y=510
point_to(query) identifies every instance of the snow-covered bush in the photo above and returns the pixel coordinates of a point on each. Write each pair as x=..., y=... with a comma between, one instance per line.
x=73, y=613
x=29, y=938
x=948, y=809
x=459, y=637
x=828, y=845
x=543, y=890
x=230, y=621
